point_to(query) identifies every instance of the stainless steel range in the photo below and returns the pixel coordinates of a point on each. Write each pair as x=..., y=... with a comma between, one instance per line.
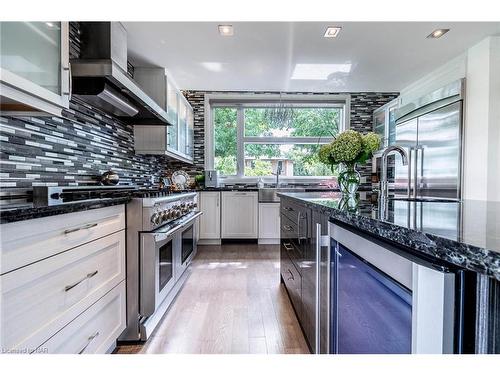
x=161, y=241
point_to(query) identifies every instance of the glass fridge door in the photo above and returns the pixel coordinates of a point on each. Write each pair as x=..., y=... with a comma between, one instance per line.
x=372, y=312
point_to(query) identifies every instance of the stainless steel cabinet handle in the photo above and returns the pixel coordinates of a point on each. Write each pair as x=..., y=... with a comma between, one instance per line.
x=88, y=226
x=317, y=295
x=89, y=341
x=287, y=246
x=291, y=275
x=287, y=227
x=89, y=276
x=288, y=208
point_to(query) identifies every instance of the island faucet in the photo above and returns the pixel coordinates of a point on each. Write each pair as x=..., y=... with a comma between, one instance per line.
x=279, y=169
x=384, y=186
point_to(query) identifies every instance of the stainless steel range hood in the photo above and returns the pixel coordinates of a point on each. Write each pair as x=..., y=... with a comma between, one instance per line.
x=100, y=76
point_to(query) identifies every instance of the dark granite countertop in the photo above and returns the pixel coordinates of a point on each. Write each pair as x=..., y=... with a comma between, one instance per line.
x=29, y=211
x=465, y=234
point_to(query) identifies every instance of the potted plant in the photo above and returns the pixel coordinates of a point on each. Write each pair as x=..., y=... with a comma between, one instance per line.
x=346, y=150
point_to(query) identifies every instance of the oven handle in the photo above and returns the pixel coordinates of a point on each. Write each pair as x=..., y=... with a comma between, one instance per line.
x=191, y=219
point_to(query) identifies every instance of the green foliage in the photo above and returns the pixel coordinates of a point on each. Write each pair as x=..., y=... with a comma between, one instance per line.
x=226, y=165
x=259, y=168
x=349, y=147
x=371, y=142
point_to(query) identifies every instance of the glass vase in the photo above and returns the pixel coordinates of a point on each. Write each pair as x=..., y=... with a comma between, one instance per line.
x=349, y=179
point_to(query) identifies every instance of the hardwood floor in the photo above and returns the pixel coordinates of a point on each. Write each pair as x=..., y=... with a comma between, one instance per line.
x=233, y=302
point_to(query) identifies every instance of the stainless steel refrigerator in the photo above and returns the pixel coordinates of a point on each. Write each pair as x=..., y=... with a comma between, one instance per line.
x=430, y=129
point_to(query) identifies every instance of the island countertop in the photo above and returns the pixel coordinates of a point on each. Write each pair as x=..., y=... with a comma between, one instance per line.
x=465, y=234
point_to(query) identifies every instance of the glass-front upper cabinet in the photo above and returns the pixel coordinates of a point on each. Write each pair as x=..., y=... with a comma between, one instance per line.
x=34, y=66
x=183, y=107
x=392, y=124
x=384, y=123
x=172, y=112
x=190, y=132
x=172, y=101
x=379, y=126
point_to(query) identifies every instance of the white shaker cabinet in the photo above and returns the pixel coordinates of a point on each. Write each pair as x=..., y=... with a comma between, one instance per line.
x=269, y=223
x=210, y=220
x=239, y=214
x=34, y=67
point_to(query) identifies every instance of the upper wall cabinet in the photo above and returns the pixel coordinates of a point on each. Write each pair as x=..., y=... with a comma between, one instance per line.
x=34, y=67
x=384, y=123
x=175, y=140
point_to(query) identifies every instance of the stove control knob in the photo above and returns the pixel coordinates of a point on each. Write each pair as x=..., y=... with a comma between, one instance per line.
x=155, y=219
x=164, y=215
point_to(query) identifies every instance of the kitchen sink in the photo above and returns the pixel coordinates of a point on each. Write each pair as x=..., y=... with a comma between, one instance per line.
x=270, y=195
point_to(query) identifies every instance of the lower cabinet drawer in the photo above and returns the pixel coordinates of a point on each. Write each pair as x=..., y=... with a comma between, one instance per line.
x=38, y=300
x=293, y=283
x=93, y=332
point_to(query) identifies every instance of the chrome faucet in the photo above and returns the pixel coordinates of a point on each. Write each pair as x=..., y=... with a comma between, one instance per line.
x=279, y=169
x=384, y=186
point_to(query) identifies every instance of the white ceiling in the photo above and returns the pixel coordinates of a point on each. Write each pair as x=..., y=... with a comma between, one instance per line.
x=384, y=56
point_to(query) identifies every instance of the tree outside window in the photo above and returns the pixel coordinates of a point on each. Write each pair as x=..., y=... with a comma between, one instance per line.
x=294, y=143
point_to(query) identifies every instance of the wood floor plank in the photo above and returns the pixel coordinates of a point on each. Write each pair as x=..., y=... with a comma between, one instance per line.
x=232, y=302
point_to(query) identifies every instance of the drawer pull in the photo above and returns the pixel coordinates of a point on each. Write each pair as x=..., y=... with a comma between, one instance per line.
x=291, y=275
x=288, y=228
x=288, y=247
x=89, y=276
x=88, y=226
x=288, y=208
x=89, y=341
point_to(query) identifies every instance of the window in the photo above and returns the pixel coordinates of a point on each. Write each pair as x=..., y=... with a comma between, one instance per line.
x=252, y=137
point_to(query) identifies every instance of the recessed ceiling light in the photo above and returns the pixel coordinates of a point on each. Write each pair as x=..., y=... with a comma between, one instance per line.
x=332, y=31
x=226, y=30
x=318, y=71
x=438, y=33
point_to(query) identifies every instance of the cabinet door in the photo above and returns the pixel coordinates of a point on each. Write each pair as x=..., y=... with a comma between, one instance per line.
x=182, y=126
x=379, y=126
x=269, y=220
x=391, y=123
x=239, y=214
x=35, y=59
x=190, y=132
x=93, y=332
x=210, y=220
x=172, y=112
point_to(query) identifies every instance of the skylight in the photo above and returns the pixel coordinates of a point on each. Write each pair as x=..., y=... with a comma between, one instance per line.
x=318, y=71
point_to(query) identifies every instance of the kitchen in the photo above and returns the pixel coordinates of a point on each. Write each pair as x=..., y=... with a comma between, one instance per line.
x=159, y=199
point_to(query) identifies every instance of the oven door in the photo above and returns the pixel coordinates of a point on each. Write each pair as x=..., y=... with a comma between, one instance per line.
x=157, y=271
x=188, y=244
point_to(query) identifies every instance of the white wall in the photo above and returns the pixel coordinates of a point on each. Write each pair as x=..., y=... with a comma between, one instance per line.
x=480, y=65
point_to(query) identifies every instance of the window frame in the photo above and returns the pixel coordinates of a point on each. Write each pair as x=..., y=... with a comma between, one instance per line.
x=242, y=101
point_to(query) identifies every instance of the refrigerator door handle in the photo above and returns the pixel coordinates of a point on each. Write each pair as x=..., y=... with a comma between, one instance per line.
x=415, y=172
x=410, y=160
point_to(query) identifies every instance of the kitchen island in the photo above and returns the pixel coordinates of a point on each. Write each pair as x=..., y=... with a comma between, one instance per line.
x=450, y=237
